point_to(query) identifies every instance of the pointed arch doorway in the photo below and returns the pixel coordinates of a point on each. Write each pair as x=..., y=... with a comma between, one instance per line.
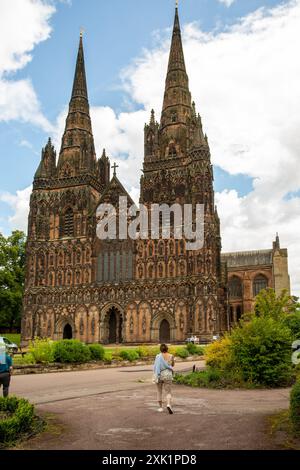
x=114, y=326
x=68, y=332
x=164, y=332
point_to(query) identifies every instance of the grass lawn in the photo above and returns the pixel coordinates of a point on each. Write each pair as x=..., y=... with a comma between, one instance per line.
x=15, y=338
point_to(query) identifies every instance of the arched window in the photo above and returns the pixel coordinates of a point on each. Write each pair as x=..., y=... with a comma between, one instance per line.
x=235, y=288
x=260, y=282
x=239, y=312
x=69, y=223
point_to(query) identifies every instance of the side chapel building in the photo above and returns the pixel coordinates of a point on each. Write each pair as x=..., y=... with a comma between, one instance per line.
x=113, y=291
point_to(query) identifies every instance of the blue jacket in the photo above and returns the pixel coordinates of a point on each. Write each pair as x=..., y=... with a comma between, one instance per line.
x=160, y=364
x=5, y=367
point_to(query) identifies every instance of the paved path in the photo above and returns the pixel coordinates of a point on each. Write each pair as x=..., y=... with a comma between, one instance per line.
x=116, y=409
x=58, y=386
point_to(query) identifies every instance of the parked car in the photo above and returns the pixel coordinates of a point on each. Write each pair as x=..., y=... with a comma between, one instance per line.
x=11, y=347
x=192, y=339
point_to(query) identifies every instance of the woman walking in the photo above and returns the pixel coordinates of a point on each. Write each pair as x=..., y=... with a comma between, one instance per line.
x=163, y=376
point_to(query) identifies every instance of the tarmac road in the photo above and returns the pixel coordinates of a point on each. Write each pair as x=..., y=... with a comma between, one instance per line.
x=53, y=387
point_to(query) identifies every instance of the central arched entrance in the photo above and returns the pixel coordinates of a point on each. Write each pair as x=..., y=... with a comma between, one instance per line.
x=115, y=326
x=164, y=332
x=68, y=332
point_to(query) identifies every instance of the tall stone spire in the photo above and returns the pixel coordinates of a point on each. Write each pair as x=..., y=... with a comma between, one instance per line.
x=79, y=85
x=177, y=97
x=77, y=155
x=179, y=121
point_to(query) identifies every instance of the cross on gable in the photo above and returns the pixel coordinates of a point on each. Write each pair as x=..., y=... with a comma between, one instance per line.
x=114, y=167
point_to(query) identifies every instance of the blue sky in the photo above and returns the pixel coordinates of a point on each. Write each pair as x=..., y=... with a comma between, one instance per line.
x=116, y=32
x=244, y=67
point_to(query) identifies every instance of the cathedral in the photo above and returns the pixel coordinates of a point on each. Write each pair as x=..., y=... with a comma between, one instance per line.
x=125, y=290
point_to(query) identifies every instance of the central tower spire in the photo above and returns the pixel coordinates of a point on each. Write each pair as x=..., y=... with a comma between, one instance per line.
x=177, y=98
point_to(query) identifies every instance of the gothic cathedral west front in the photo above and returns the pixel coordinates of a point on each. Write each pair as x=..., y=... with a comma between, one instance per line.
x=123, y=290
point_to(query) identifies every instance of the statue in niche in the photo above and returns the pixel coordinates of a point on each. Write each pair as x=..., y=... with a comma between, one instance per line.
x=81, y=327
x=131, y=325
x=140, y=271
x=144, y=325
x=93, y=326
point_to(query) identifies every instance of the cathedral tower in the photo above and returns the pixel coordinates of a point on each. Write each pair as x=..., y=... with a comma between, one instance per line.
x=61, y=220
x=177, y=169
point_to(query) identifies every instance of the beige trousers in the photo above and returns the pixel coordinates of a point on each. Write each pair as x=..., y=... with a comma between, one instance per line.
x=167, y=386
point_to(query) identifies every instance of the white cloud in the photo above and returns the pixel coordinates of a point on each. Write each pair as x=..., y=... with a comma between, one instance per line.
x=19, y=204
x=245, y=82
x=23, y=25
x=228, y=3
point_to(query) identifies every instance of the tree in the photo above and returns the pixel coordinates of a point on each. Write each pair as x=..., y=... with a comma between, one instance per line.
x=268, y=304
x=12, y=275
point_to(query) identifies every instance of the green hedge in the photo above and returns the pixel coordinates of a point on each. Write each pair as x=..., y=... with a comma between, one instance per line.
x=295, y=407
x=129, y=354
x=195, y=350
x=71, y=351
x=97, y=352
x=42, y=351
x=182, y=352
x=20, y=418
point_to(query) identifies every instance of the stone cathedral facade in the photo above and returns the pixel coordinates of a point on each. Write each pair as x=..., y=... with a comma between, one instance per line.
x=113, y=291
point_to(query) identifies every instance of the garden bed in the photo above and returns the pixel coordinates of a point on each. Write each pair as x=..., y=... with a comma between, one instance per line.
x=17, y=421
x=59, y=367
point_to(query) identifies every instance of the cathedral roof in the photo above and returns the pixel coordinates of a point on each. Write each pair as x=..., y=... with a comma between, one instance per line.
x=113, y=191
x=248, y=258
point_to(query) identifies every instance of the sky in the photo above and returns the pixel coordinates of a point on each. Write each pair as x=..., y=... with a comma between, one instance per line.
x=243, y=61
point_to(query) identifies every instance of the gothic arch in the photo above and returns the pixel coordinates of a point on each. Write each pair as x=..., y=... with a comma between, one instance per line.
x=104, y=321
x=156, y=322
x=260, y=281
x=64, y=320
x=235, y=287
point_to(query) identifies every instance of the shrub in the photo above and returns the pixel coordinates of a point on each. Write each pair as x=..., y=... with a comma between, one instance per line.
x=292, y=321
x=20, y=417
x=71, y=350
x=42, y=351
x=195, y=350
x=211, y=378
x=129, y=354
x=262, y=351
x=27, y=360
x=182, y=352
x=97, y=352
x=295, y=407
x=108, y=357
x=219, y=354
x=143, y=351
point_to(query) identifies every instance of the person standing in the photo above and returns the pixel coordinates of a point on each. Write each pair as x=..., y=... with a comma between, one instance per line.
x=163, y=376
x=6, y=366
